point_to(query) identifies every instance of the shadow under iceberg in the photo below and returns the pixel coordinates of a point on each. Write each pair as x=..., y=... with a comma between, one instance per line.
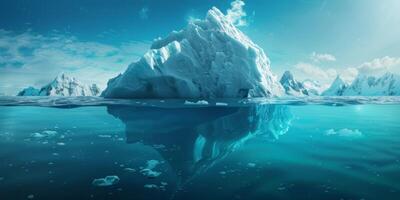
x=193, y=139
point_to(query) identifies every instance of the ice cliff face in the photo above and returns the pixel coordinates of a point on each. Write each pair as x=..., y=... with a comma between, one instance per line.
x=210, y=58
x=63, y=85
x=386, y=85
x=292, y=86
x=337, y=88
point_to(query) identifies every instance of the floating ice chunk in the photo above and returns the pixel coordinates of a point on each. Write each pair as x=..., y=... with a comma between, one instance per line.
x=164, y=183
x=154, y=186
x=151, y=186
x=49, y=133
x=344, y=132
x=159, y=146
x=44, y=134
x=129, y=169
x=151, y=164
x=251, y=164
x=107, y=181
x=221, y=104
x=37, y=135
x=105, y=136
x=200, y=102
x=31, y=196
x=150, y=173
x=60, y=143
x=330, y=132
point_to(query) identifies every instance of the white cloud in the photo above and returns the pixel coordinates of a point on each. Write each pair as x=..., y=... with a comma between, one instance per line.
x=144, y=13
x=321, y=57
x=32, y=59
x=236, y=13
x=379, y=66
x=323, y=75
x=310, y=71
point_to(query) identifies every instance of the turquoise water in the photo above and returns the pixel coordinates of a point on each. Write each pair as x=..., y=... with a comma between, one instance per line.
x=349, y=149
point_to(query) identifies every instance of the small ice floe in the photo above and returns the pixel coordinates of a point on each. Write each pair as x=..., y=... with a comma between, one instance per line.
x=221, y=104
x=151, y=164
x=150, y=173
x=148, y=170
x=251, y=164
x=200, y=102
x=158, y=187
x=344, y=132
x=31, y=196
x=131, y=170
x=159, y=146
x=60, y=143
x=44, y=134
x=104, y=136
x=107, y=181
x=151, y=186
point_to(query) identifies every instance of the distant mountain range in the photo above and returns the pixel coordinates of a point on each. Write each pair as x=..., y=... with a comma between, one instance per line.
x=293, y=87
x=363, y=85
x=62, y=85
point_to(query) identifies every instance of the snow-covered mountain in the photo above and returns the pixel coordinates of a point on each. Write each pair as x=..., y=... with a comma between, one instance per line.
x=210, y=58
x=363, y=85
x=292, y=86
x=63, y=85
x=337, y=88
x=314, y=88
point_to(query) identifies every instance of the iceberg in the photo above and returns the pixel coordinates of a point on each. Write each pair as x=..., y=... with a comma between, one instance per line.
x=210, y=58
x=62, y=85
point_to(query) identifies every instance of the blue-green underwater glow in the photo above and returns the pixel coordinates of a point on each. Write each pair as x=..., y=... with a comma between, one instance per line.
x=254, y=151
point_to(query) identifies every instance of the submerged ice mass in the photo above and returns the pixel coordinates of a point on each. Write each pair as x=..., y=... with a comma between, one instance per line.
x=210, y=58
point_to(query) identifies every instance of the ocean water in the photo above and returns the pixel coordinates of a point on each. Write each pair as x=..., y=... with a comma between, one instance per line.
x=316, y=148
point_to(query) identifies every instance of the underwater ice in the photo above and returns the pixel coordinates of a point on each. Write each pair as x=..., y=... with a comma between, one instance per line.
x=148, y=170
x=107, y=181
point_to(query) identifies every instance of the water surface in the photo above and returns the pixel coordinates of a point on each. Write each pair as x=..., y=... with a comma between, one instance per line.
x=53, y=148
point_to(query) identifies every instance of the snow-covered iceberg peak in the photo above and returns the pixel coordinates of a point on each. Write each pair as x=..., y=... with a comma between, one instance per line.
x=210, y=58
x=292, y=86
x=63, y=85
x=337, y=88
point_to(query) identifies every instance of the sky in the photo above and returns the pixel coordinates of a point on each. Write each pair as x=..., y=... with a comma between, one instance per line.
x=95, y=40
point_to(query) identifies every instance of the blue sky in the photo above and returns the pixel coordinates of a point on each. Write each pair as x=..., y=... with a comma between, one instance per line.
x=95, y=40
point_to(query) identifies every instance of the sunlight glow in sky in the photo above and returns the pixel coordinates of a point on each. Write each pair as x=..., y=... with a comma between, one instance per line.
x=94, y=40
